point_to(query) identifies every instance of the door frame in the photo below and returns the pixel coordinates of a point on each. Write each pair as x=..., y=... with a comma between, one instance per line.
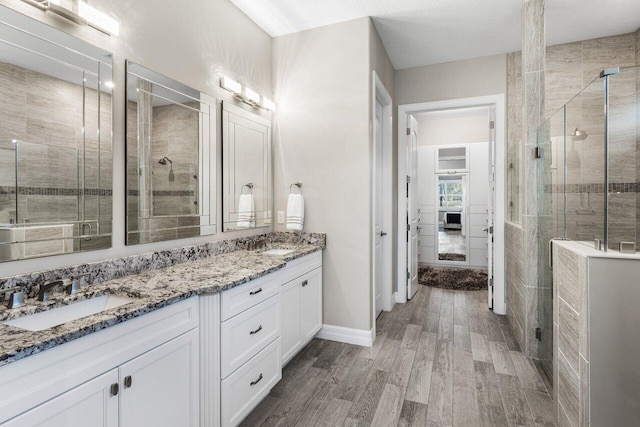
x=380, y=93
x=406, y=110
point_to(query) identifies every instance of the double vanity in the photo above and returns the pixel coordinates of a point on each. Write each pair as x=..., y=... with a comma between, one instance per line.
x=199, y=343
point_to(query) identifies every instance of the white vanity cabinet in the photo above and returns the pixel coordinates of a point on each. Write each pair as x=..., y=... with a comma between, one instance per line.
x=301, y=305
x=140, y=373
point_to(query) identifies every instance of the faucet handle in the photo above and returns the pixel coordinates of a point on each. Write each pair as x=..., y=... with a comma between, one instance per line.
x=16, y=297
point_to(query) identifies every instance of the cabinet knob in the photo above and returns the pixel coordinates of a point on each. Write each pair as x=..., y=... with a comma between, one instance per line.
x=127, y=381
x=256, y=331
x=305, y=283
x=256, y=381
x=255, y=292
x=115, y=388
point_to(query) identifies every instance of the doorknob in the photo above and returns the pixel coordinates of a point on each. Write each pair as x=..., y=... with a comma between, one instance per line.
x=382, y=234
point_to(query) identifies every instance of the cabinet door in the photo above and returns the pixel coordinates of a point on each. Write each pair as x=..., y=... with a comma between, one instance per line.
x=290, y=319
x=160, y=388
x=89, y=405
x=311, y=303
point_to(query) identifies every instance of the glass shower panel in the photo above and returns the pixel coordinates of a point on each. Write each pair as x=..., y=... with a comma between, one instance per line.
x=551, y=223
x=623, y=167
x=585, y=141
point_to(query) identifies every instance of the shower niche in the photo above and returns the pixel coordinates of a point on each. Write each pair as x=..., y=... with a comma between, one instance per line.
x=171, y=158
x=55, y=141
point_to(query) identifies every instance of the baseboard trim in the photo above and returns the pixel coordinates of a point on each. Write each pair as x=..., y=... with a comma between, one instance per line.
x=346, y=335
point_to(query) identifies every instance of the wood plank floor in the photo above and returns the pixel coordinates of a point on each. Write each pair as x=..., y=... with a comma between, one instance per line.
x=443, y=359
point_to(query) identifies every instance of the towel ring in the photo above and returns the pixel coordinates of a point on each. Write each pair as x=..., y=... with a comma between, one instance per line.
x=249, y=186
x=297, y=184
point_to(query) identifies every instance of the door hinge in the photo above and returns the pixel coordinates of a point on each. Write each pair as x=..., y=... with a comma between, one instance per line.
x=408, y=274
x=491, y=282
x=408, y=227
x=537, y=153
x=539, y=334
x=408, y=131
x=492, y=124
x=408, y=179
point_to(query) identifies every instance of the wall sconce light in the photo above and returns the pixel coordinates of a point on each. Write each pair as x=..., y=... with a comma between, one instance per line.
x=269, y=105
x=81, y=13
x=245, y=94
x=251, y=96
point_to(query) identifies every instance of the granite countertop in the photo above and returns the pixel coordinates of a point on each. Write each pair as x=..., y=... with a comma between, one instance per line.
x=151, y=290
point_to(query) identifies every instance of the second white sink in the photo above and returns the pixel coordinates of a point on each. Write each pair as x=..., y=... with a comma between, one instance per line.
x=60, y=315
x=278, y=251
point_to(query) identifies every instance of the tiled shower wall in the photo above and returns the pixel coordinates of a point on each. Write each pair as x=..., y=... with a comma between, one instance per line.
x=50, y=149
x=569, y=68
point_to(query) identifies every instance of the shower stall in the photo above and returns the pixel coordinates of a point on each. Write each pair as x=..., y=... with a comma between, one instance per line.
x=588, y=180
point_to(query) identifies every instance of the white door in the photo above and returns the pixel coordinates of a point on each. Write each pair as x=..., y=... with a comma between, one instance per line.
x=491, y=202
x=160, y=388
x=311, y=304
x=92, y=404
x=378, y=233
x=290, y=319
x=413, y=229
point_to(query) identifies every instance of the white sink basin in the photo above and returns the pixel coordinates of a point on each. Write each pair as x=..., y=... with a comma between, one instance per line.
x=58, y=316
x=278, y=251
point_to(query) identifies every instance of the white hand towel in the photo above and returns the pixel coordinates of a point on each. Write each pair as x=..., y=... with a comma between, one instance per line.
x=295, y=212
x=246, y=211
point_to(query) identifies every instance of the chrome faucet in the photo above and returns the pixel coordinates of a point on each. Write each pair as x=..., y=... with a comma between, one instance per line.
x=48, y=288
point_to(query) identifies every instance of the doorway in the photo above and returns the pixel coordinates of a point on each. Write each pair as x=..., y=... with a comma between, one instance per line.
x=382, y=197
x=460, y=191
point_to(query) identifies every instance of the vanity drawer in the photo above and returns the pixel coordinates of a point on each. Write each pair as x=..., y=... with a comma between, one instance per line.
x=247, y=333
x=246, y=387
x=300, y=266
x=243, y=297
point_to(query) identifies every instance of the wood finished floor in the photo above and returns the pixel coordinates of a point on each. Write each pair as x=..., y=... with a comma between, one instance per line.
x=443, y=359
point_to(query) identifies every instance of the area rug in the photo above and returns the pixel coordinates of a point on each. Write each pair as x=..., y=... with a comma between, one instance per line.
x=460, y=279
x=449, y=256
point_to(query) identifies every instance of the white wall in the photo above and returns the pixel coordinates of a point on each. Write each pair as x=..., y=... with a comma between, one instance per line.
x=454, y=130
x=321, y=137
x=190, y=41
x=460, y=79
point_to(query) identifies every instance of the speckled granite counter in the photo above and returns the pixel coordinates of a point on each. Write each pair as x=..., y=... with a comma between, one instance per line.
x=151, y=290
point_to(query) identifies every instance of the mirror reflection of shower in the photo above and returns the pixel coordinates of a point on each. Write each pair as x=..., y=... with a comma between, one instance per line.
x=163, y=161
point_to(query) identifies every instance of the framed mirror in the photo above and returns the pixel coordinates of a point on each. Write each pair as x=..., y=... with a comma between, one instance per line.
x=171, y=158
x=246, y=169
x=452, y=212
x=55, y=141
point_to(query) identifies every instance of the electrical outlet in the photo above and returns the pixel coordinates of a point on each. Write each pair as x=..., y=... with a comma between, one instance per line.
x=280, y=217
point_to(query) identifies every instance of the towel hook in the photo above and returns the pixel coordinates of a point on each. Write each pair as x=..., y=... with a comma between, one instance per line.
x=297, y=184
x=249, y=186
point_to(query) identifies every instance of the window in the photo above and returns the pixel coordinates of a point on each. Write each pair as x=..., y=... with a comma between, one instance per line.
x=450, y=194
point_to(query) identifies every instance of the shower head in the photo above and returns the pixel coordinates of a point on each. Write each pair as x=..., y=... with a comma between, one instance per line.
x=164, y=160
x=579, y=135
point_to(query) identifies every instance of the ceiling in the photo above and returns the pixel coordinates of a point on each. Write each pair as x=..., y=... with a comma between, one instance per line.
x=424, y=32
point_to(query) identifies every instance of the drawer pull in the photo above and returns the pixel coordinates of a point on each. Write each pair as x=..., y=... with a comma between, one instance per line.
x=255, y=292
x=256, y=381
x=305, y=283
x=127, y=381
x=256, y=331
x=115, y=388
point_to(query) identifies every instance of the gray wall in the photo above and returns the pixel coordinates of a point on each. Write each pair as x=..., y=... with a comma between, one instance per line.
x=321, y=137
x=218, y=39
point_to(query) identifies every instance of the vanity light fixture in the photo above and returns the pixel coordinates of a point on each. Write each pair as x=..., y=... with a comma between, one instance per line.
x=268, y=104
x=81, y=13
x=252, y=96
x=230, y=85
x=245, y=94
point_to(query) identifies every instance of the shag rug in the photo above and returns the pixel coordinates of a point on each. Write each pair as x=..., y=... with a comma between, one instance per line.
x=460, y=279
x=449, y=256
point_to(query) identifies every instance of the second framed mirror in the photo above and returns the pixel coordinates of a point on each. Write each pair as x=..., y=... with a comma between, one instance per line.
x=246, y=169
x=171, y=158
